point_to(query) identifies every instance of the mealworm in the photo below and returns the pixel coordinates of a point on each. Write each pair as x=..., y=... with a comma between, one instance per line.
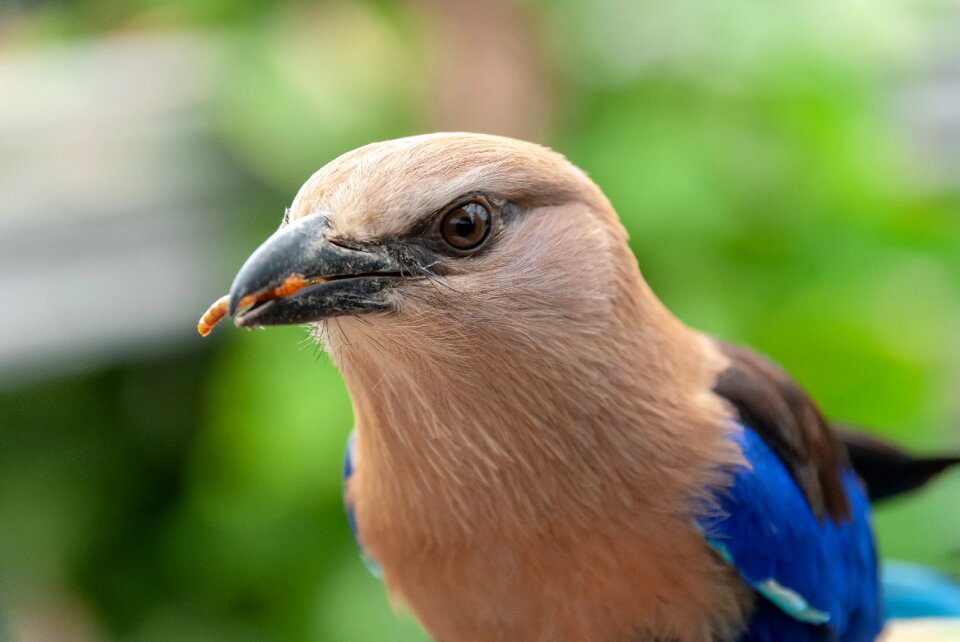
x=219, y=308
x=213, y=315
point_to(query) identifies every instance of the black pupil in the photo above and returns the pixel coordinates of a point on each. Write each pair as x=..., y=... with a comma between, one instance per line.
x=465, y=225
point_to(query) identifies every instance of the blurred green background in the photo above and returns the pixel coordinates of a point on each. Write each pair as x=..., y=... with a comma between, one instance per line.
x=789, y=173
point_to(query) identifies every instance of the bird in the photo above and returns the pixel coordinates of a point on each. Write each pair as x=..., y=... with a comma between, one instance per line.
x=543, y=452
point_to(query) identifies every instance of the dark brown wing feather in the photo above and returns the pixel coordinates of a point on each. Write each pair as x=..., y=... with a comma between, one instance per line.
x=784, y=416
x=885, y=469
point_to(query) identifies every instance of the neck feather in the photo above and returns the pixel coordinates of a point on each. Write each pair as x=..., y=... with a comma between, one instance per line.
x=524, y=428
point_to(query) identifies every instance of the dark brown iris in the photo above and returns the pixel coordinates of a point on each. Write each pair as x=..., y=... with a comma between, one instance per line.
x=466, y=226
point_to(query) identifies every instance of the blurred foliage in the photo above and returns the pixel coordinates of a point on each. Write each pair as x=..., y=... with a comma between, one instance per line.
x=752, y=152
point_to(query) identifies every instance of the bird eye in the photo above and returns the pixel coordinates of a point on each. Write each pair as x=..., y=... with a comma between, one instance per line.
x=465, y=227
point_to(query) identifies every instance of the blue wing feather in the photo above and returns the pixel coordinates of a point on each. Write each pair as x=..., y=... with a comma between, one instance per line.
x=821, y=577
x=348, y=507
x=347, y=474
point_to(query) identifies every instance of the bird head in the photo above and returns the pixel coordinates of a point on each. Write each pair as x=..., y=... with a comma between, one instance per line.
x=478, y=292
x=434, y=238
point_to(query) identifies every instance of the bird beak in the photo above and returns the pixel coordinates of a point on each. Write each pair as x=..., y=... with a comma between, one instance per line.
x=300, y=275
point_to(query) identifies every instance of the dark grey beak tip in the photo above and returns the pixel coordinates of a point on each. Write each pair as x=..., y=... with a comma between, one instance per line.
x=268, y=313
x=303, y=248
x=235, y=297
x=294, y=249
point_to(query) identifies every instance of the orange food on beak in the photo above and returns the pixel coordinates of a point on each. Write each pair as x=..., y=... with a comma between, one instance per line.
x=219, y=308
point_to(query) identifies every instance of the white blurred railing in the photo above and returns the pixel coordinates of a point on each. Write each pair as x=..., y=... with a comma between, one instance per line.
x=111, y=202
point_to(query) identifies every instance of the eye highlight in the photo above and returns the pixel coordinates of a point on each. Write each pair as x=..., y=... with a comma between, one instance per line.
x=466, y=226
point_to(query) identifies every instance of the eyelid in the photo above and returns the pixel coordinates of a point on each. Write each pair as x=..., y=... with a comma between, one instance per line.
x=464, y=199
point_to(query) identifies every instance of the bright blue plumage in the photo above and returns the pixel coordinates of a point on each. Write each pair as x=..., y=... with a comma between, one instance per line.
x=815, y=570
x=347, y=473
